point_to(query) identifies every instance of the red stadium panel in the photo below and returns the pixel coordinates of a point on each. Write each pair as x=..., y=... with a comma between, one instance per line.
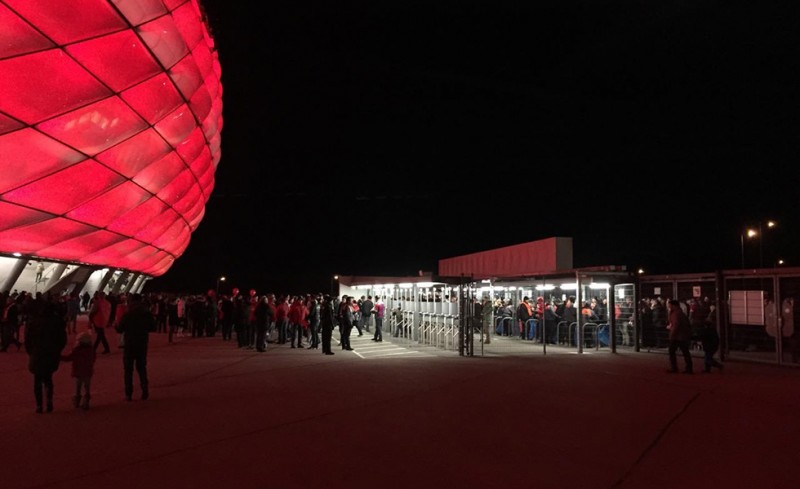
x=154, y=98
x=17, y=36
x=96, y=127
x=32, y=155
x=68, y=22
x=159, y=174
x=163, y=38
x=42, y=85
x=118, y=60
x=110, y=122
x=140, y=11
x=135, y=154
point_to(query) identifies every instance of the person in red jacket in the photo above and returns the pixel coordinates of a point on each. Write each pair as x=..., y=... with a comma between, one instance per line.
x=680, y=331
x=298, y=322
x=100, y=319
x=82, y=357
x=282, y=319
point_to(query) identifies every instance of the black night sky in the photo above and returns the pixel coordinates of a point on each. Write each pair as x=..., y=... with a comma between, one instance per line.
x=374, y=138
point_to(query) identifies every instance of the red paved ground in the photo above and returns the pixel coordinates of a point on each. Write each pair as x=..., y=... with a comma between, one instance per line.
x=222, y=417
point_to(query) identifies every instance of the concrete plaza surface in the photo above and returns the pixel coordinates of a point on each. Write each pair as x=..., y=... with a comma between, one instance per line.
x=385, y=416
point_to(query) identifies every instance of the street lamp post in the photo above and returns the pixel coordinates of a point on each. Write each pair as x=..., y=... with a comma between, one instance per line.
x=749, y=233
x=334, y=291
x=770, y=225
x=220, y=279
x=752, y=233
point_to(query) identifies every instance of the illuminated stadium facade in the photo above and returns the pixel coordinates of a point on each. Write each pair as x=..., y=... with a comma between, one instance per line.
x=110, y=121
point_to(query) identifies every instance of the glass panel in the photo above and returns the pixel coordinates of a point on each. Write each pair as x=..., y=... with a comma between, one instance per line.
x=12, y=216
x=177, y=126
x=7, y=124
x=625, y=314
x=139, y=11
x=162, y=263
x=163, y=38
x=17, y=36
x=175, y=234
x=134, y=221
x=177, y=188
x=188, y=201
x=185, y=18
x=118, y=60
x=157, y=225
x=205, y=63
x=67, y=189
x=195, y=215
x=134, y=259
x=192, y=146
x=173, y=4
x=96, y=127
x=41, y=85
x=135, y=154
x=29, y=155
x=186, y=76
x=152, y=258
x=751, y=341
x=77, y=249
x=158, y=175
x=31, y=239
x=202, y=163
x=116, y=253
x=788, y=320
x=154, y=98
x=104, y=209
x=71, y=21
x=200, y=103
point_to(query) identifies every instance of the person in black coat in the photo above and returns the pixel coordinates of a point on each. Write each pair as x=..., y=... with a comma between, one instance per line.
x=710, y=339
x=327, y=323
x=136, y=324
x=264, y=317
x=313, y=321
x=45, y=337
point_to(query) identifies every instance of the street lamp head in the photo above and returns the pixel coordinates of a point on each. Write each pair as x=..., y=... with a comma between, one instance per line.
x=771, y=224
x=751, y=233
x=222, y=279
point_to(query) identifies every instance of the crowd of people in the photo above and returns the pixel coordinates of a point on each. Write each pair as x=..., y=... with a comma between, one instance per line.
x=42, y=324
x=677, y=325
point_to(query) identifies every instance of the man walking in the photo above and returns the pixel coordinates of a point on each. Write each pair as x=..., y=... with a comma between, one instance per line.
x=137, y=324
x=99, y=319
x=366, y=307
x=680, y=332
x=379, y=310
